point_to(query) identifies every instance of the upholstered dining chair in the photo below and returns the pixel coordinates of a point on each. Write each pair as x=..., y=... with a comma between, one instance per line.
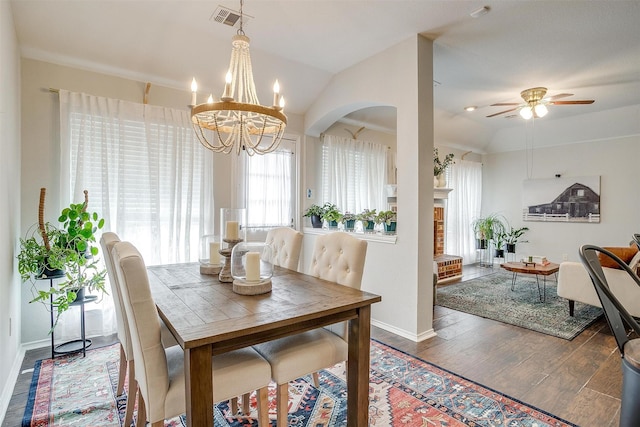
x=337, y=257
x=107, y=242
x=159, y=371
x=619, y=320
x=285, y=245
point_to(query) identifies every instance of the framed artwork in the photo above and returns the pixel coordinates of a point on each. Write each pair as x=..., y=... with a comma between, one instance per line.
x=562, y=199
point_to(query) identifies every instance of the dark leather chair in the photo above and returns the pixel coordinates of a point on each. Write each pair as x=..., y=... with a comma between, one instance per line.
x=636, y=238
x=620, y=321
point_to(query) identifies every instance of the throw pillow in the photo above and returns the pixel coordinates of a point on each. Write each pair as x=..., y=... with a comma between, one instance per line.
x=625, y=253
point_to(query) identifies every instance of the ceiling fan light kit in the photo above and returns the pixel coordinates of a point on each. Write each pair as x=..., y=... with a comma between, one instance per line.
x=535, y=105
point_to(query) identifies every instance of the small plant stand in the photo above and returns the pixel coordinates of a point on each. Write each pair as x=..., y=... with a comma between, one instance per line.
x=73, y=346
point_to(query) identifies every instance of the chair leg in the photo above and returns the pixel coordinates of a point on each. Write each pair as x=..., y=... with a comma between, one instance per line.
x=131, y=396
x=122, y=372
x=234, y=405
x=246, y=403
x=263, y=407
x=158, y=424
x=316, y=380
x=282, y=397
x=142, y=412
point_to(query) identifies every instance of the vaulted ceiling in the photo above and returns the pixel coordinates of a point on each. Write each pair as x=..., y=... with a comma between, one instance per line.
x=587, y=48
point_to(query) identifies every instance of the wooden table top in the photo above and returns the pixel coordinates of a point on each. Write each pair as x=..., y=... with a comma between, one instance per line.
x=519, y=267
x=200, y=310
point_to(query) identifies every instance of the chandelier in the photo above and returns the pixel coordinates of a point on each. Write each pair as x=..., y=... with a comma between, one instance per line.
x=238, y=121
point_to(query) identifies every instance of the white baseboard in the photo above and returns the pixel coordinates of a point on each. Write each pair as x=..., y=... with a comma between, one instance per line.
x=405, y=334
x=7, y=391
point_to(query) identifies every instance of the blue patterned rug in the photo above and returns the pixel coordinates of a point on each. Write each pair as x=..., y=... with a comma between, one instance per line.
x=491, y=297
x=404, y=391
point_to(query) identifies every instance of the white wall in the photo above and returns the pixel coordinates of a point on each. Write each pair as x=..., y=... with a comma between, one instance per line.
x=401, y=76
x=614, y=159
x=10, y=202
x=41, y=154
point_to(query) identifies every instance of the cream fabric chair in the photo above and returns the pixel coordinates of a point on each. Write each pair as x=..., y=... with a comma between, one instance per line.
x=159, y=372
x=285, y=244
x=337, y=257
x=107, y=242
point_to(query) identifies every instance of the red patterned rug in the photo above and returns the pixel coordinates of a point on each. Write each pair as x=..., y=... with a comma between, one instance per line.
x=404, y=391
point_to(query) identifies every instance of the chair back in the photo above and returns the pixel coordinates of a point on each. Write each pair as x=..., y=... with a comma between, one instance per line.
x=107, y=242
x=636, y=238
x=617, y=316
x=339, y=257
x=286, y=244
x=151, y=370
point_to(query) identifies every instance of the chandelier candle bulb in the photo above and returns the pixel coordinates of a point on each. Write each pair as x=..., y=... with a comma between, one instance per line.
x=252, y=266
x=232, y=230
x=276, y=94
x=226, y=96
x=194, y=90
x=214, y=254
x=210, y=99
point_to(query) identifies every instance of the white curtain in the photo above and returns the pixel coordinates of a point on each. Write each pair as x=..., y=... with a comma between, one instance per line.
x=147, y=176
x=354, y=174
x=463, y=206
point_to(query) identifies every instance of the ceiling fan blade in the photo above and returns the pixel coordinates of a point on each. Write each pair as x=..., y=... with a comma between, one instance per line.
x=502, y=112
x=560, y=95
x=504, y=104
x=584, y=101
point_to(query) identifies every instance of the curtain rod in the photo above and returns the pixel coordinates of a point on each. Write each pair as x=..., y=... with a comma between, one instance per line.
x=54, y=90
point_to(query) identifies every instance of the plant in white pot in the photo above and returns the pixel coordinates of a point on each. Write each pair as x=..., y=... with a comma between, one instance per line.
x=67, y=253
x=440, y=167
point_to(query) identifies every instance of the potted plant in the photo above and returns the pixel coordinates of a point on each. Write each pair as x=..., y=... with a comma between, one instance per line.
x=388, y=218
x=349, y=221
x=367, y=217
x=331, y=214
x=68, y=252
x=498, y=240
x=512, y=236
x=439, y=167
x=315, y=213
x=484, y=229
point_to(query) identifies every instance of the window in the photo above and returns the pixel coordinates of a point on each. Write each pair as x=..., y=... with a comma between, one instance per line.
x=354, y=174
x=270, y=187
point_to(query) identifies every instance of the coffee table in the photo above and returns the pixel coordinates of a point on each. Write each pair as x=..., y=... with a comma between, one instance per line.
x=530, y=268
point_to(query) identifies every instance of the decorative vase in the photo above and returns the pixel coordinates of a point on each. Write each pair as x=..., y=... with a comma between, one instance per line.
x=442, y=180
x=436, y=182
x=390, y=228
x=368, y=226
x=251, y=268
x=209, y=254
x=333, y=224
x=316, y=222
x=350, y=224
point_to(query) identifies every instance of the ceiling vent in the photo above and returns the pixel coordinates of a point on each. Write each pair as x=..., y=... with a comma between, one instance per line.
x=226, y=16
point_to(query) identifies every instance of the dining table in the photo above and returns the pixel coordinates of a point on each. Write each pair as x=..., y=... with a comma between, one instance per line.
x=207, y=318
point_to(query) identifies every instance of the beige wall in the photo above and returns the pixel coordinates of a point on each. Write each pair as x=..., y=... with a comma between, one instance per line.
x=10, y=202
x=41, y=153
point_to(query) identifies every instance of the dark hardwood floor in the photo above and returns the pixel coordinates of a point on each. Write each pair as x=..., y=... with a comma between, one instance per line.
x=578, y=380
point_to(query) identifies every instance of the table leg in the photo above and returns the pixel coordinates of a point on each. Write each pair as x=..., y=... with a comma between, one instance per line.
x=358, y=369
x=198, y=386
x=513, y=280
x=542, y=295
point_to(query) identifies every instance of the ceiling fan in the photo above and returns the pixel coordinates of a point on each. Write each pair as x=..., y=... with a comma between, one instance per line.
x=535, y=103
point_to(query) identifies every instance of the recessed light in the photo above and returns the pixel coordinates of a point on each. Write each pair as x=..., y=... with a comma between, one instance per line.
x=470, y=108
x=479, y=12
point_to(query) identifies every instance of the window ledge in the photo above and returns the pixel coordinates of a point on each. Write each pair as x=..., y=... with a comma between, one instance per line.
x=371, y=237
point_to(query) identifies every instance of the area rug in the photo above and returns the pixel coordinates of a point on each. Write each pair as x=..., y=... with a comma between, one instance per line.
x=403, y=391
x=491, y=297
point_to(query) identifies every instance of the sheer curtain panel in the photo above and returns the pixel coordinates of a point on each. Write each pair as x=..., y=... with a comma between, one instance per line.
x=354, y=174
x=145, y=171
x=463, y=206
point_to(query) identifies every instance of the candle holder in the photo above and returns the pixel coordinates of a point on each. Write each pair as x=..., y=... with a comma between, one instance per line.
x=251, y=268
x=233, y=228
x=209, y=255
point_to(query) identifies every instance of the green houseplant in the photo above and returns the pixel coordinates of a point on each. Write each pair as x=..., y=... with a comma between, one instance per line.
x=314, y=212
x=440, y=167
x=349, y=221
x=388, y=218
x=332, y=215
x=68, y=252
x=367, y=217
x=512, y=237
x=485, y=227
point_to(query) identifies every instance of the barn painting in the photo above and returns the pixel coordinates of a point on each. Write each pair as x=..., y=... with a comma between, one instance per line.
x=562, y=199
